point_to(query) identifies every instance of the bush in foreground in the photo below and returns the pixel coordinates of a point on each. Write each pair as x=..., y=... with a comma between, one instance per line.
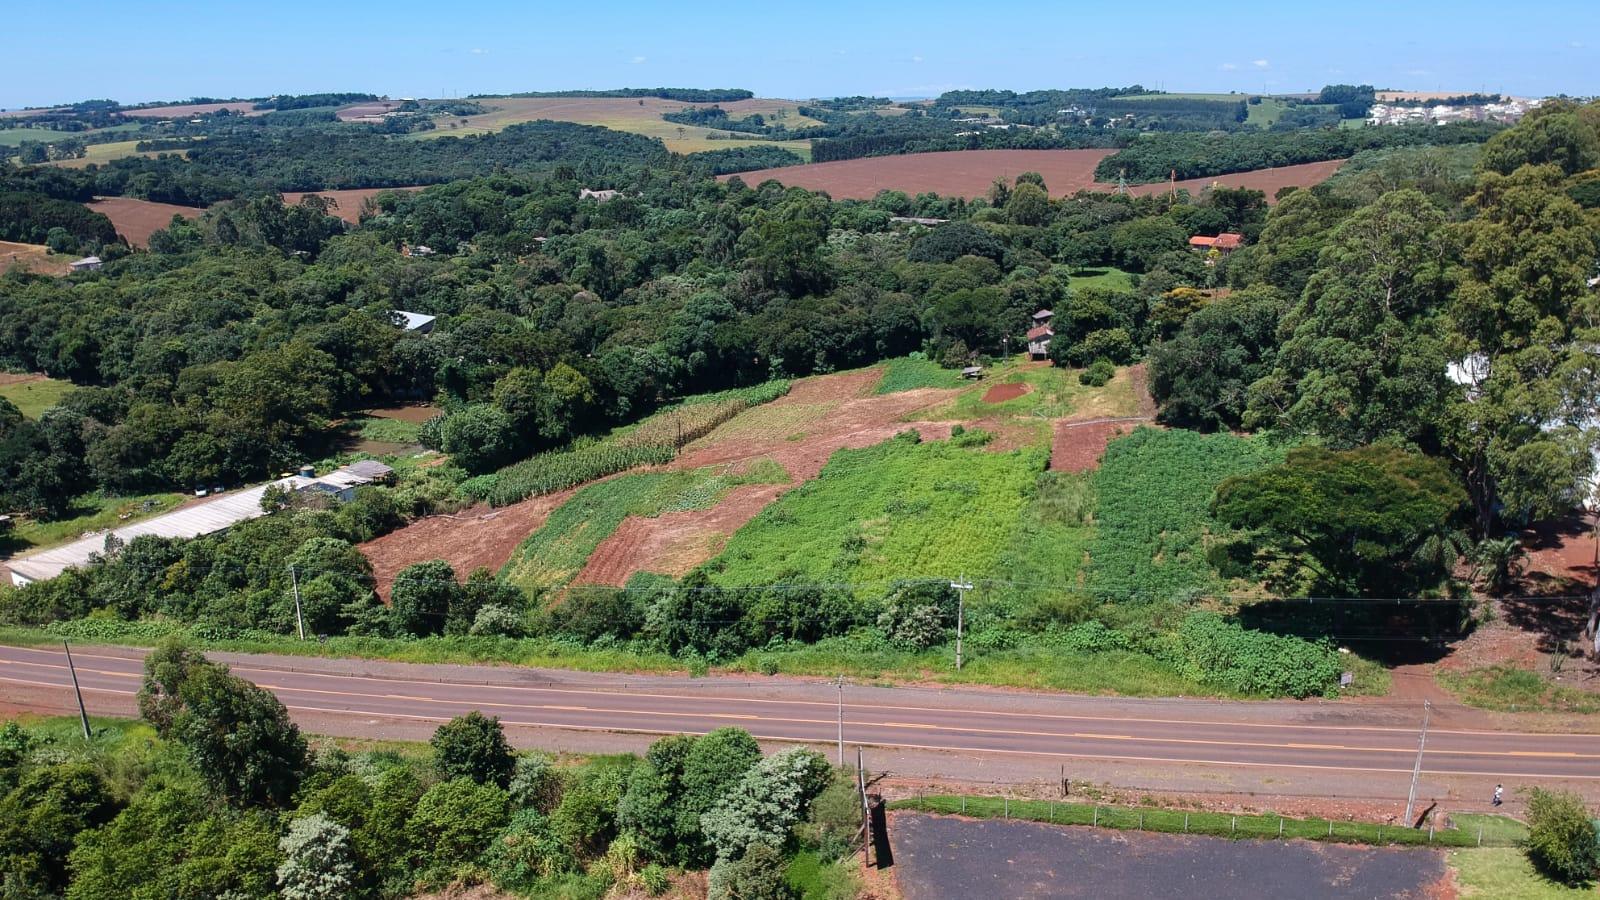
x=1562, y=841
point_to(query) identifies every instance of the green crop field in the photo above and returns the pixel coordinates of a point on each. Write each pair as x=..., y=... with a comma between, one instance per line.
x=911, y=372
x=1153, y=491
x=552, y=556
x=895, y=510
x=35, y=396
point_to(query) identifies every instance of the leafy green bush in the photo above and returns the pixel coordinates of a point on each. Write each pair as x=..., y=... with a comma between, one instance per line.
x=1211, y=649
x=1561, y=836
x=1098, y=374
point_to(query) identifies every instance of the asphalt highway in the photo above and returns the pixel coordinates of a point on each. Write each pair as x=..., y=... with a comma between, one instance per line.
x=1342, y=738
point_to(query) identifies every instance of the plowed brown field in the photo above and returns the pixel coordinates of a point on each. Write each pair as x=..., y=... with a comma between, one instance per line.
x=467, y=540
x=136, y=220
x=1079, y=443
x=969, y=173
x=349, y=201
x=243, y=107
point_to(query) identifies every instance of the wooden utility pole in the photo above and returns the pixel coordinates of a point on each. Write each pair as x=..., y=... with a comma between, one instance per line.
x=83, y=714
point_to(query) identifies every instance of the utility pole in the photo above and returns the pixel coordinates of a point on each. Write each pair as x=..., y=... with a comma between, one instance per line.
x=866, y=814
x=961, y=587
x=840, y=683
x=299, y=620
x=1416, y=770
x=83, y=714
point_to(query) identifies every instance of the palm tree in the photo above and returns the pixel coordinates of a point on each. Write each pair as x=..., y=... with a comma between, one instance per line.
x=1441, y=548
x=1498, y=562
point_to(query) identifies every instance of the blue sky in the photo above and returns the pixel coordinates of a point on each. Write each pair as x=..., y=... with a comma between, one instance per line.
x=136, y=51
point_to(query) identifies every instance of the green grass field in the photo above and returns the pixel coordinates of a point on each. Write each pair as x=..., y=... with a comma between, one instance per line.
x=1105, y=279
x=1504, y=873
x=1052, y=394
x=891, y=511
x=1266, y=113
x=34, y=397
x=93, y=513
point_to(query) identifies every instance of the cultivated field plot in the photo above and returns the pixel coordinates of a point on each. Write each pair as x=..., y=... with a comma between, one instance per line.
x=136, y=220
x=348, y=201
x=35, y=258
x=969, y=173
x=938, y=857
x=373, y=110
x=244, y=107
x=637, y=115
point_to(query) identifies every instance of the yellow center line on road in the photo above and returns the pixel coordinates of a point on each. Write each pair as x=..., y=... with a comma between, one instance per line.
x=677, y=714
x=628, y=690
x=1054, y=754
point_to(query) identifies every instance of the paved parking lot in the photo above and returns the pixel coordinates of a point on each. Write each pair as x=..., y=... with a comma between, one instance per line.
x=938, y=857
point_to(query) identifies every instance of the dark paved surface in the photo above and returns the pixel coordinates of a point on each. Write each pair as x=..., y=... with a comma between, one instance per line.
x=940, y=857
x=1326, y=749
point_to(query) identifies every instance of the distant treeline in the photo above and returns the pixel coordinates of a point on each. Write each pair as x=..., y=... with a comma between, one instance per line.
x=1193, y=155
x=31, y=217
x=686, y=95
x=249, y=162
x=742, y=159
x=307, y=101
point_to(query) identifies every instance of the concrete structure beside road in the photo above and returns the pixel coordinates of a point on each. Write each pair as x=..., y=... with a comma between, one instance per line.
x=192, y=521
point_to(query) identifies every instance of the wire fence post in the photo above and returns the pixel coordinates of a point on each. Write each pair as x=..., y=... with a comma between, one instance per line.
x=1233, y=825
x=1330, y=828
x=1096, y=822
x=1480, y=834
x=1141, y=820
x=1052, y=810
x=1185, y=823
x=1280, y=826
x=1008, y=807
x=963, y=804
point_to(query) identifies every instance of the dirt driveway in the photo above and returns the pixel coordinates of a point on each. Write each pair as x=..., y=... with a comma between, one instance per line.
x=943, y=856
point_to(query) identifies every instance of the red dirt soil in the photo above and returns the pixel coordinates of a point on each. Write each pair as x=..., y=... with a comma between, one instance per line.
x=1000, y=393
x=1078, y=444
x=136, y=220
x=466, y=540
x=415, y=413
x=675, y=543
x=969, y=173
x=349, y=201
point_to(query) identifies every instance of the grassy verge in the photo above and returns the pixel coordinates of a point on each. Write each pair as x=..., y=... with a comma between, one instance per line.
x=1498, y=831
x=1186, y=822
x=1508, y=689
x=1504, y=873
x=1105, y=279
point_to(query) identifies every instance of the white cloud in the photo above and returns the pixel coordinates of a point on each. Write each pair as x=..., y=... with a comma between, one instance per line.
x=478, y=51
x=916, y=59
x=1227, y=67
x=637, y=60
x=1576, y=44
x=1260, y=63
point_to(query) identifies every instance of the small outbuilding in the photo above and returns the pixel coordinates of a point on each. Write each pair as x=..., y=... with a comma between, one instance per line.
x=87, y=264
x=972, y=371
x=1039, y=341
x=411, y=321
x=1224, y=243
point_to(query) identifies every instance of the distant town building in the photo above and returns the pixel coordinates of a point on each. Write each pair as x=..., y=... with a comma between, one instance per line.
x=916, y=220
x=1508, y=111
x=598, y=196
x=1226, y=242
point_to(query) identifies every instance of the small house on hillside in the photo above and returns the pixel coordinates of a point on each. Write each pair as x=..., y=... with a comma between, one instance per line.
x=598, y=196
x=87, y=264
x=1224, y=243
x=411, y=321
x=1039, y=341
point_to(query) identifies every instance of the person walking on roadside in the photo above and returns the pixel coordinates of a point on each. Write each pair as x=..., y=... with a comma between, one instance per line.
x=1499, y=791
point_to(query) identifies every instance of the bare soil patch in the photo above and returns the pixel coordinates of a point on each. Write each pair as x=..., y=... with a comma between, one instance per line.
x=347, y=203
x=969, y=173
x=1000, y=393
x=21, y=377
x=35, y=258
x=475, y=537
x=374, y=109
x=136, y=220
x=676, y=542
x=1078, y=446
x=414, y=412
